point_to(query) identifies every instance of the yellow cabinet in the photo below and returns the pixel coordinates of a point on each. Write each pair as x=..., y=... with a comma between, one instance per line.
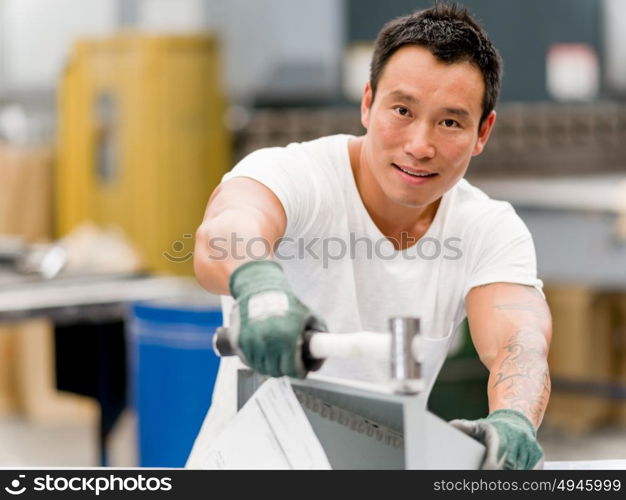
x=142, y=141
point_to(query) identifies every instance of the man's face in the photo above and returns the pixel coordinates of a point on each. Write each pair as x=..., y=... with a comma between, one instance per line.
x=422, y=126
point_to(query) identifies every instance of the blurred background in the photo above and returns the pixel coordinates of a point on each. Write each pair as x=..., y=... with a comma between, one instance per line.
x=119, y=117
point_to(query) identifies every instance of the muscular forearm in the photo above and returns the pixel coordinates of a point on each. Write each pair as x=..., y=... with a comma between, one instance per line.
x=511, y=329
x=244, y=221
x=519, y=376
x=225, y=242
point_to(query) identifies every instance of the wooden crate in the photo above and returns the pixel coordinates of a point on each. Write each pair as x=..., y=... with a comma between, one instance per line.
x=618, y=413
x=581, y=358
x=8, y=392
x=26, y=192
x=38, y=399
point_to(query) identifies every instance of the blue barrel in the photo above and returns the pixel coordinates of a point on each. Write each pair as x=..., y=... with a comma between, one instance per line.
x=173, y=371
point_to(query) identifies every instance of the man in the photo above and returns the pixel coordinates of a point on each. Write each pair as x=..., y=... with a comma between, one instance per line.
x=422, y=241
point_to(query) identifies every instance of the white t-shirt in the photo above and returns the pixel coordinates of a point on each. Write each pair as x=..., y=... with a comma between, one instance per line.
x=342, y=267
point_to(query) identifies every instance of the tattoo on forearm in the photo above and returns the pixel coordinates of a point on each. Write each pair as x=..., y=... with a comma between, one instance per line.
x=523, y=375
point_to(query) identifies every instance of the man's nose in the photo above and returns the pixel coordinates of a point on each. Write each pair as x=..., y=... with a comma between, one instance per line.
x=419, y=142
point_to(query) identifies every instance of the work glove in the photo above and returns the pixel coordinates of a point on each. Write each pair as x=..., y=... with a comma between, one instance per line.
x=510, y=439
x=269, y=322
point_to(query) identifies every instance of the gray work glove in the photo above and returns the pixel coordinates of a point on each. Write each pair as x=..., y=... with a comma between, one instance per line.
x=269, y=322
x=510, y=439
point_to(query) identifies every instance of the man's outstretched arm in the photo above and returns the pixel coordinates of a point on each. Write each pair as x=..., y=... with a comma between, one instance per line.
x=235, y=244
x=243, y=219
x=511, y=329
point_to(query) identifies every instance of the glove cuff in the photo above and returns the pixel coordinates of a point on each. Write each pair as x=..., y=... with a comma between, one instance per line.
x=256, y=276
x=513, y=417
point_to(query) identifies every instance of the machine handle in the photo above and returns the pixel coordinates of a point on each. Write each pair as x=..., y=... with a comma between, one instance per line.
x=323, y=345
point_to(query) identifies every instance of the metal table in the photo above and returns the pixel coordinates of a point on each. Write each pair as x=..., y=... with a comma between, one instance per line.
x=94, y=299
x=83, y=296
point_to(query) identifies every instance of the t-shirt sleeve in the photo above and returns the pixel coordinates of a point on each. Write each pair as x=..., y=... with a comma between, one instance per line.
x=288, y=175
x=503, y=252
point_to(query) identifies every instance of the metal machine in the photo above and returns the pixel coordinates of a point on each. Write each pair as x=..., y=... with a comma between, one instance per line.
x=367, y=426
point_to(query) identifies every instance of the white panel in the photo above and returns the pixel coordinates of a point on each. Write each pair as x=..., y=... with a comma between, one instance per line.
x=38, y=35
x=3, y=47
x=356, y=69
x=172, y=16
x=258, y=37
x=615, y=43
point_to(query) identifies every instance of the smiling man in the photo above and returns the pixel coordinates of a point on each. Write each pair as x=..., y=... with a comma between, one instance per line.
x=343, y=232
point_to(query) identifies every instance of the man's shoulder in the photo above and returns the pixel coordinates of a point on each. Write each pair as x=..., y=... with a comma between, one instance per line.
x=474, y=211
x=321, y=150
x=473, y=201
x=330, y=149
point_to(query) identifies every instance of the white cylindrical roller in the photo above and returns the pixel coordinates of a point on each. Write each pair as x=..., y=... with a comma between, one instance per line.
x=359, y=345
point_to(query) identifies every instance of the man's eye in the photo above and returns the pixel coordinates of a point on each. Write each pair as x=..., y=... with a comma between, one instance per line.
x=402, y=111
x=450, y=123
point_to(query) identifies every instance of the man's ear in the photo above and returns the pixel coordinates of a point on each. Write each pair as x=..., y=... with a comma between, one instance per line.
x=366, y=105
x=483, y=133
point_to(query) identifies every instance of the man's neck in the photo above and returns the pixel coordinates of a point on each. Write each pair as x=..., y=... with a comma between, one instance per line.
x=397, y=222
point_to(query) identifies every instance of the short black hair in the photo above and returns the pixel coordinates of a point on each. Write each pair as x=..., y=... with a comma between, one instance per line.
x=452, y=35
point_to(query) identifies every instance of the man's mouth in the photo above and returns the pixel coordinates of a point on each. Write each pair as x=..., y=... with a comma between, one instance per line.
x=414, y=173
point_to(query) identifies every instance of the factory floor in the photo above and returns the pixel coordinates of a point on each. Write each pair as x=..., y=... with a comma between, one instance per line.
x=26, y=444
